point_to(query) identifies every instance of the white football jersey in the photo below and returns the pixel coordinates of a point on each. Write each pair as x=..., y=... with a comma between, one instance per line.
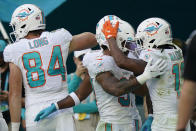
x=112, y=109
x=42, y=62
x=165, y=90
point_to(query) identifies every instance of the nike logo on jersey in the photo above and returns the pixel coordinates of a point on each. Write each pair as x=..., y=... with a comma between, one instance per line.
x=38, y=43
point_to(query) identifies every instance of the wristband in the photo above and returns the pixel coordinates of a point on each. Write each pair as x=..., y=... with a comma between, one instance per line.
x=56, y=105
x=15, y=126
x=142, y=78
x=75, y=98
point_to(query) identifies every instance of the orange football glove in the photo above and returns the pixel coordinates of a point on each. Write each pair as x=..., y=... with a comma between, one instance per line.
x=110, y=31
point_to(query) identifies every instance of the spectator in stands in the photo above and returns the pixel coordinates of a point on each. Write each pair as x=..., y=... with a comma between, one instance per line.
x=86, y=113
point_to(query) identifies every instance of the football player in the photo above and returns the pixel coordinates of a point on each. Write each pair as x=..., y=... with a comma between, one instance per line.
x=154, y=35
x=112, y=85
x=38, y=59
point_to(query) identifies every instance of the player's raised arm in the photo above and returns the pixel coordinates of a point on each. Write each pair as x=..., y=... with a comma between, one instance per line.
x=82, y=41
x=134, y=65
x=116, y=87
x=71, y=100
x=15, y=95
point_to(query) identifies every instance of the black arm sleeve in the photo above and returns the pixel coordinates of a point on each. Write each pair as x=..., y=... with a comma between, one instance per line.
x=190, y=61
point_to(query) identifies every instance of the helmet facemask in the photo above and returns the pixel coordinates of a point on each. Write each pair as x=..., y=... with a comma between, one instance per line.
x=126, y=39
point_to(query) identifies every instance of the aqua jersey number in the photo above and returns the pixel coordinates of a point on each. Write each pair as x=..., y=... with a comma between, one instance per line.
x=177, y=70
x=56, y=59
x=33, y=65
x=35, y=74
x=125, y=99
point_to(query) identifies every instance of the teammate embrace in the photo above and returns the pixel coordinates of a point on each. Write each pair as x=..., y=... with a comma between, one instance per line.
x=127, y=64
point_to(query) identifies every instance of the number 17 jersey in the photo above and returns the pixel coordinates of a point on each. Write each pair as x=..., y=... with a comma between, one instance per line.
x=165, y=90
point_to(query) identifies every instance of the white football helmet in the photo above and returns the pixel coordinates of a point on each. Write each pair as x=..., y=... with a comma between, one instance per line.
x=99, y=34
x=125, y=37
x=154, y=32
x=25, y=18
x=125, y=32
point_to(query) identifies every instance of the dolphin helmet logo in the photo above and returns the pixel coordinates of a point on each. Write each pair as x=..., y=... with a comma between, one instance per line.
x=152, y=29
x=24, y=14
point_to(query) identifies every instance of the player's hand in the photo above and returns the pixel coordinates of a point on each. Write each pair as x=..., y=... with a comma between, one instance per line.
x=80, y=69
x=154, y=69
x=45, y=112
x=147, y=124
x=110, y=31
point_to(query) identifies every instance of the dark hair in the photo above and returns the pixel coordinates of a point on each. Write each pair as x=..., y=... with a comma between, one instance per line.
x=36, y=32
x=104, y=47
x=81, y=57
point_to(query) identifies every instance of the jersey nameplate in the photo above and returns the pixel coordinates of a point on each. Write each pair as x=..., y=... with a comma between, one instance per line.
x=176, y=55
x=38, y=43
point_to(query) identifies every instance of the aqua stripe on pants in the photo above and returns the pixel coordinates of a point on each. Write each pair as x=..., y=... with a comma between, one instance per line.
x=108, y=127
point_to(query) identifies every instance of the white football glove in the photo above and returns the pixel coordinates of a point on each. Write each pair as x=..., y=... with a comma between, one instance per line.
x=152, y=70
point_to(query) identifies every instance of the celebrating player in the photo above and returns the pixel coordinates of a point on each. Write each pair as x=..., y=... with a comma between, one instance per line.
x=154, y=35
x=38, y=59
x=112, y=85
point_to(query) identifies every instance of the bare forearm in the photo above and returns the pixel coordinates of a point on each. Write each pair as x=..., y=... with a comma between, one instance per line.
x=82, y=92
x=91, y=38
x=134, y=65
x=15, y=107
x=83, y=41
x=187, y=103
x=69, y=102
x=122, y=87
x=118, y=55
x=149, y=104
x=127, y=86
x=15, y=93
x=66, y=103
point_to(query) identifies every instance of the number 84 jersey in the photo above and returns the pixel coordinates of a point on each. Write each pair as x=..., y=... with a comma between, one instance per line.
x=42, y=62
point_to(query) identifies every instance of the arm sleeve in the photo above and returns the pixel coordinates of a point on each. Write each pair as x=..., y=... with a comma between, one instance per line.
x=86, y=108
x=74, y=83
x=7, y=54
x=63, y=35
x=190, y=63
